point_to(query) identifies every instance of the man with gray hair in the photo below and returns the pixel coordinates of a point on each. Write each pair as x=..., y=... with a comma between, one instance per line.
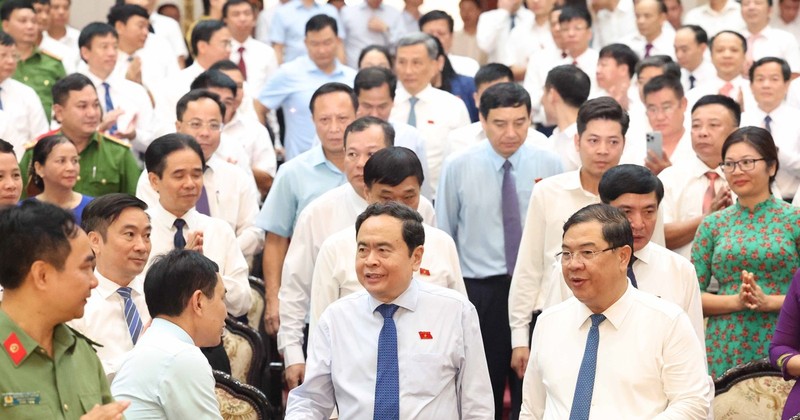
x=432, y=111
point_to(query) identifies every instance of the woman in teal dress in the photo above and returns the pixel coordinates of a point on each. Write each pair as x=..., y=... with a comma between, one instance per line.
x=751, y=248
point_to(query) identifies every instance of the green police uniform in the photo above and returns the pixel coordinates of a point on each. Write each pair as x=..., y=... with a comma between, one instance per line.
x=107, y=166
x=41, y=71
x=36, y=386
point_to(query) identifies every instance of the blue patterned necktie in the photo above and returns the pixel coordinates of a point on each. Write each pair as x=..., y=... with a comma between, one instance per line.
x=412, y=114
x=631, y=274
x=109, y=105
x=387, y=383
x=582, y=400
x=768, y=123
x=179, y=241
x=512, y=225
x=131, y=314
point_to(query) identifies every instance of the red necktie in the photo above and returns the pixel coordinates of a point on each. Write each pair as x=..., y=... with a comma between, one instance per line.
x=726, y=89
x=711, y=191
x=242, y=66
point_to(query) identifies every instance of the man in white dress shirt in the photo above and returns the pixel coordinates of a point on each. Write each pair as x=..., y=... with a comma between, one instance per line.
x=653, y=36
x=116, y=313
x=765, y=41
x=400, y=349
x=615, y=69
x=688, y=183
x=167, y=30
x=665, y=105
x=615, y=19
x=58, y=27
x=640, y=358
x=434, y=112
x=575, y=25
x=22, y=111
x=440, y=25
x=368, y=23
x=524, y=41
x=784, y=17
x=691, y=46
x=494, y=28
x=391, y=174
x=769, y=81
x=566, y=89
x=255, y=59
x=716, y=16
x=127, y=109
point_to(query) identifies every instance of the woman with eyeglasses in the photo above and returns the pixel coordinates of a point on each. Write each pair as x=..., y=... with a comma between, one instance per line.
x=751, y=249
x=54, y=170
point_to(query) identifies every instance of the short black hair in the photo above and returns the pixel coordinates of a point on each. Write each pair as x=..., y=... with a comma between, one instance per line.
x=41, y=150
x=174, y=277
x=9, y=6
x=123, y=12
x=321, y=21
x=7, y=40
x=413, y=231
x=375, y=47
x=622, y=54
x=375, y=77
x=700, y=34
x=616, y=227
x=33, y=231
x=214, y=79
x=103, y=211
x=155, y=157
x=661, y=82
x=726, y=31
x=203, y=31
x=504, y=95
x=629, y=179
x=363, y=123
x=759, y=139
x=732, y=106
x=391, y=166
x=602, y=108
x=195, y=95
x=571, y=83
x=434, y=15
x=6, y=147
x=664, y=62
x=93, y=30
x=74, y=82
x=492, y=72
x=224, y=65
x=570, y=13
x=786, y=72
x=230, y=3
x=333, y=87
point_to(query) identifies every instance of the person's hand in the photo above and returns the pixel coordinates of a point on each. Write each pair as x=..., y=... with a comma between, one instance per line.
x=519, y=360
x=109, y=119
x=619, y=91
x=129, y=133
x=754, y=297
x=280, y=153
x=195, y=242
x=110, y=411
x=722, y=200
x=134, y=73
x=294, y=375
x=656, y=163
x=272, y=319
x=375, y=24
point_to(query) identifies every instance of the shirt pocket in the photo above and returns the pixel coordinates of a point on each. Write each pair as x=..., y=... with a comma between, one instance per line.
x=89, y=400
x=427, y=375
x=105, y=180
x=26, y=412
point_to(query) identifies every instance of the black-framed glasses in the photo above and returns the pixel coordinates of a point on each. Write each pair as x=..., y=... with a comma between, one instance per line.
x=745, y=165
x=566, y=256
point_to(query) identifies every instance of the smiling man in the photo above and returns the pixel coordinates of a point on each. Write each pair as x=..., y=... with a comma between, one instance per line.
x=401, y=348
x=612, y=350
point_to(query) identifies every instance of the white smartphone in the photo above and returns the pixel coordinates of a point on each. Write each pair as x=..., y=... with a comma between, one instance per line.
x=655, y=143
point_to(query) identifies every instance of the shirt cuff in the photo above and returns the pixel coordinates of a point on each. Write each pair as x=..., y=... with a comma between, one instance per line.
x=520, y=337
x=293, y=355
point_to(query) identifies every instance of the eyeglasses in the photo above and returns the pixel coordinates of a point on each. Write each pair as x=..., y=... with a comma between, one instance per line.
x=197, y=125
x=566, y=256
x=745, y=165
x=666, y=109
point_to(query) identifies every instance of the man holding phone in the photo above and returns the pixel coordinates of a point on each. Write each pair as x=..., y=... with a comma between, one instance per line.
x=666, y=105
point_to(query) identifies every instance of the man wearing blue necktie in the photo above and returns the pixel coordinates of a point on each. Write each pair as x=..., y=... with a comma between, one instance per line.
x=401, y=348
x=611, y=351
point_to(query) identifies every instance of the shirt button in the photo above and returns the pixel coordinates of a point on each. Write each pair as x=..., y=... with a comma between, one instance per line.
x=66, y=407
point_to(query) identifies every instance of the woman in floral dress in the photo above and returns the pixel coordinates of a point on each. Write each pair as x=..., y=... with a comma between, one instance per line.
x=751, y=248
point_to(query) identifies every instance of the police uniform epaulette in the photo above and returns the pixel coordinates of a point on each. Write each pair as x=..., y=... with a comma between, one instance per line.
x=91, y=342
x=30, y=144
x=119, y=141
x=49, y=54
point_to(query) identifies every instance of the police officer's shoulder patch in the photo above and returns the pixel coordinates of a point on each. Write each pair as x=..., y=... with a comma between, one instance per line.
x=117, y=140
x=49, y=54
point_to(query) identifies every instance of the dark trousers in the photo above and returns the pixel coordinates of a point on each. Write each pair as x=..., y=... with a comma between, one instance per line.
x=490, y=297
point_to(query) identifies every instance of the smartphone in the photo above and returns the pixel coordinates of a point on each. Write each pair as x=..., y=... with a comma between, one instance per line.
x=655, y=143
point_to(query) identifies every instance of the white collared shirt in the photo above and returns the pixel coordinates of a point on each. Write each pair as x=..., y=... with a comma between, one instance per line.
x=260, y=62
x=70, y=57
x=729, y=18
x=612, y=25
x=70, y=38
x=159, y=67
x=702, y=74
x=536, y=75
x=741, y=88
x=650, y=363
x=464, y=66
x=685, y=186
x=563, y=144
x=23, y=113
x=525, y=41
x=232, y=197
x=246, y=140
x=355, y=19
x=178, y=86
x=792, y=27
x=219, y=245
x=664, y=44
x=327, y=214
x=170, y=30
x=443, y=372
x=438, y=113
x=771, y=42
x=335, y=271
x=494, y=29
x=103, y=320
x=787, y=138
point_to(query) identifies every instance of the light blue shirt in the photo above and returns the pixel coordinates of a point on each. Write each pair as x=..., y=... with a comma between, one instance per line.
x=469, y=201
x=291, y=88
x=298, y=182
x=166, y=376
x=289, y=26
x=356, y=19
